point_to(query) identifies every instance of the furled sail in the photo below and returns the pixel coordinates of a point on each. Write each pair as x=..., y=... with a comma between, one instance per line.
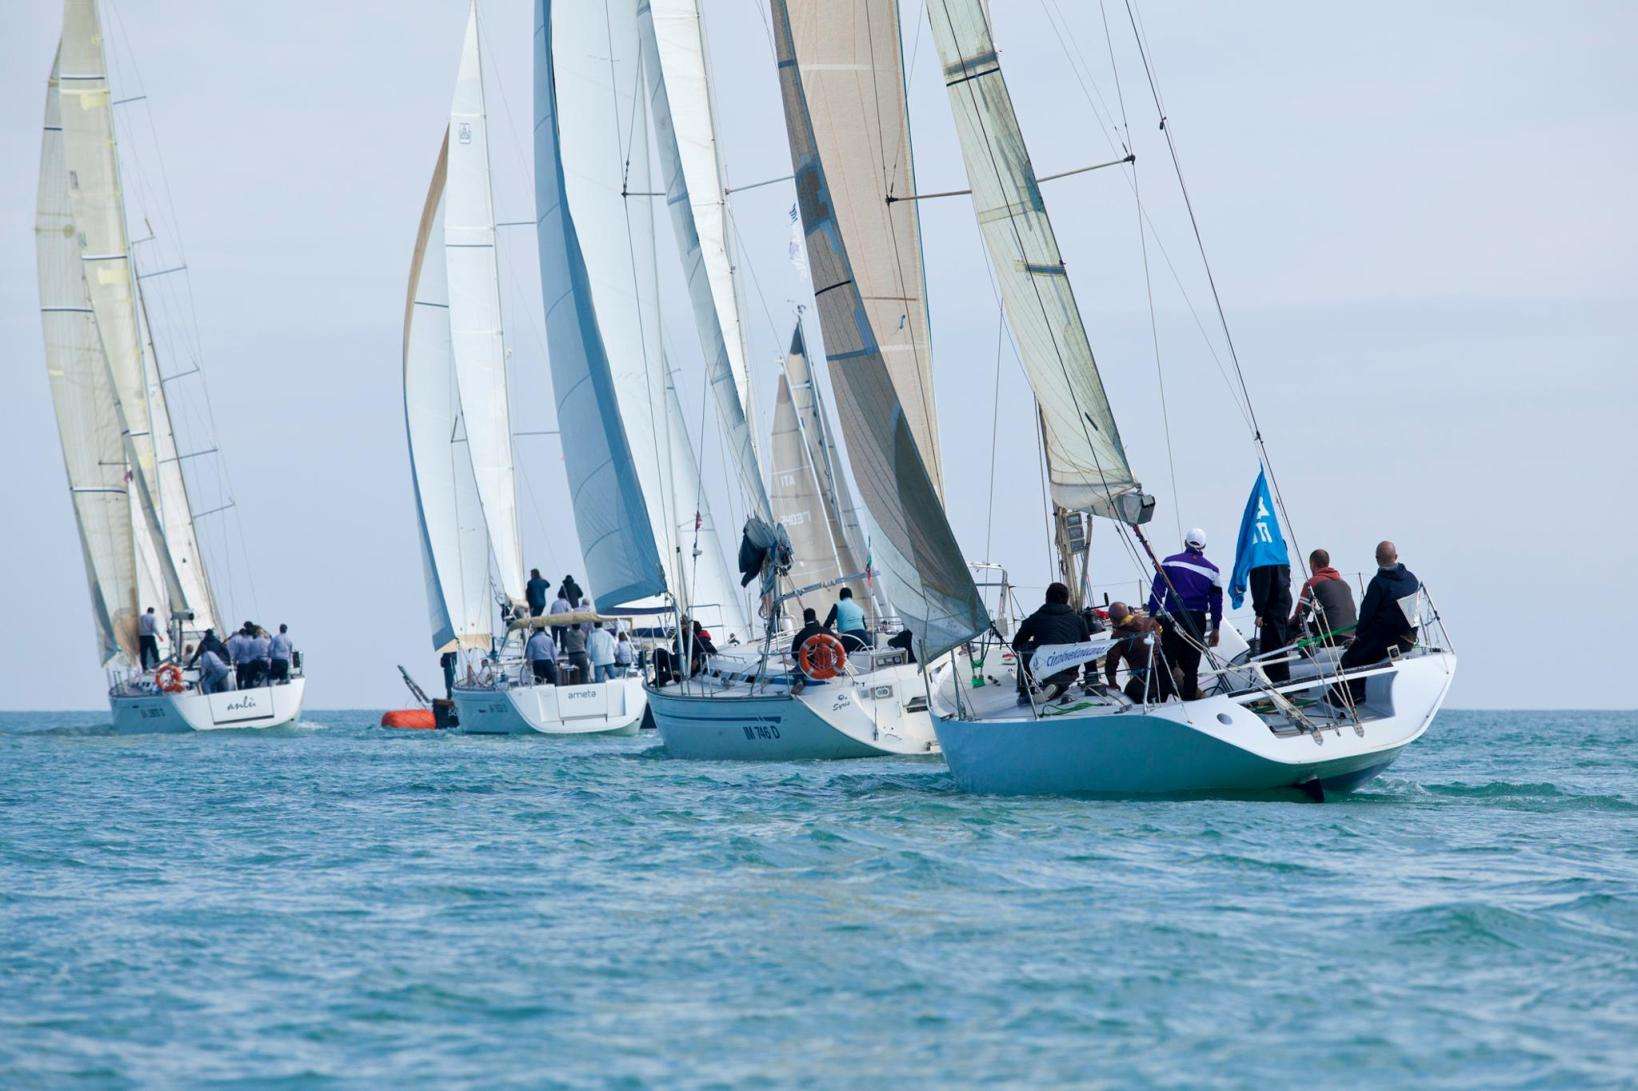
x=915, y=551
x=475, y=314
x=97, y=206
x=455, y=546
x=1086, y=462
x=853, y=77
x=800, y=506
x=88, y=420
x=600, y=281
x=673, y=56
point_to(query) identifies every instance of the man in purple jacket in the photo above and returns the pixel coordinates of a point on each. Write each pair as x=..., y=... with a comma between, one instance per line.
x=1187, y=590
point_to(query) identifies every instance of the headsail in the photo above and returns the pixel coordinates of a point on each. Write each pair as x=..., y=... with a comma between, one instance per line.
x=88, y=420
x=916, y=552
x=597, y=255
x=853, y=77
x=800, y=506
x=475, y=314
x=673, y=56
x=454, y=538
x=1086, y=462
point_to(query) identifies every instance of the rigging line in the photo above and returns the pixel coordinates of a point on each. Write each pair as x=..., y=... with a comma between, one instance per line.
x=995, y=426
x=1211, y=279
x=1128, y=158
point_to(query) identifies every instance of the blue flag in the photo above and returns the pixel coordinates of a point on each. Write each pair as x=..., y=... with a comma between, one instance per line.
x=1261, y=542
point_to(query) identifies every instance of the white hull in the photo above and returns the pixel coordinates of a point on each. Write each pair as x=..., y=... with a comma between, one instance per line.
x=241, y=709
x=598, y=708
x=1212, y=746
x=863, y=716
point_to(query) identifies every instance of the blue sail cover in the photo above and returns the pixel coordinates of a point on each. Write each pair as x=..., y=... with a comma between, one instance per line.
x=616, y=539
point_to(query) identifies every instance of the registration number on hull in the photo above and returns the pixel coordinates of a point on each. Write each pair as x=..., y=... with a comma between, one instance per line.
x=753, y=732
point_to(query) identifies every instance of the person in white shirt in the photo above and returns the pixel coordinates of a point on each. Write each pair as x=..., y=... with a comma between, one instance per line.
x=282, y=651
x=542, y=656
x=148, y=638
x=600, y=650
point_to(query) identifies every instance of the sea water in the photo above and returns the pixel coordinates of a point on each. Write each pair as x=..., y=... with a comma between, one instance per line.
x=335, y=905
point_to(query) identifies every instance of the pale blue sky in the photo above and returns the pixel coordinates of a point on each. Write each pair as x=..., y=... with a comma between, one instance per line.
x=1420, y=219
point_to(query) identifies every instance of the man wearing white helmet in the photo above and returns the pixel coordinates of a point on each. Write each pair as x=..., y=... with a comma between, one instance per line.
x=1188, y=590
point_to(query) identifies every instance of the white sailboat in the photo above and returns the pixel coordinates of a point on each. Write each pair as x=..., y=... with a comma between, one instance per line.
x=1245, y=734
x=458, y=422
x=132, y=506
x=865, y=256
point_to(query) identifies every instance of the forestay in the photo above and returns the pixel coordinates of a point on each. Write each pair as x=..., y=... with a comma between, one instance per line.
x=454, y=539
x=475, y=314
x=853, y=77
x=686, y=142
x=915, y=551
x=1086, y=462
x=88, y=421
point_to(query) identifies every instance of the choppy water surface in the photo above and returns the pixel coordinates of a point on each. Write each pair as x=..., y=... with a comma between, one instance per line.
x=334, y=906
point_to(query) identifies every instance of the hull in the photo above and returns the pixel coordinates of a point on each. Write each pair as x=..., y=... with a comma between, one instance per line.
x=1215, y=746
x=863, y=717
x=262, y=706
x=598, y=708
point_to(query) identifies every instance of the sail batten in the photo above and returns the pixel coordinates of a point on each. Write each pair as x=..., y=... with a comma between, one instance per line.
x=475, y=314
x=914, y=549
x=1087, y=465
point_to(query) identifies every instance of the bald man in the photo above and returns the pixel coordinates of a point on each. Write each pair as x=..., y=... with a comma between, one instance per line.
x=1382, y=623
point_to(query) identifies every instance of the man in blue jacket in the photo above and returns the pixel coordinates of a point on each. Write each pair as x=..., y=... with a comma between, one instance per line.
x=1383, y=624
x=1189, y=590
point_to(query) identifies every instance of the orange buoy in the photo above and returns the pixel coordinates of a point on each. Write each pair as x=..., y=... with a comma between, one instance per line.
x=169, y=678
x=409, y=719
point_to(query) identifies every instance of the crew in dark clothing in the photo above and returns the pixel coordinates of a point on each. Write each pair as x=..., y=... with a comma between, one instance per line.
x=1137, y=645
x=702, y=647
x=1271, y=600
x=571, y=591
x=535, y=593
x=668, y=662
x=210, y=642
x=1188, y=590
x=1056, y=622
x=447, y=661
x=810, y=628
x=1383, y=625
x=903, y=639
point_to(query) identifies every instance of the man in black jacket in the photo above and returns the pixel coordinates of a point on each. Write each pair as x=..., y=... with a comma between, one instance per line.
x=1271, y=600
x=1383, y=625
x=1056, y=622
x=810, y=628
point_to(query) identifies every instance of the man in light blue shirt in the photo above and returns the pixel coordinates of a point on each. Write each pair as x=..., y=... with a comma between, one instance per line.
x=282, y=650
x=241, y=649
x=847, y=620
x=213, y=673
x=542, y=656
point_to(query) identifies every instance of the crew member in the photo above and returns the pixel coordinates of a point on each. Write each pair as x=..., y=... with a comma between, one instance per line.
x=1326, y=602
x=1271, y=601
x=213, y=669
x=447, y=661
x=148, y=638
x=810, y=628
x=1383, y=624
x=1188, y=589
x=1136, y=639
x=847, y=620
x=571, y=591
x=282, y=650
x=210, y=642
x=1056, y=622
x=625, y=654
x=264, y=655
x=241, y=648
x=534, y=593
x=542, y=656
x=574, y=650
x=600, y=651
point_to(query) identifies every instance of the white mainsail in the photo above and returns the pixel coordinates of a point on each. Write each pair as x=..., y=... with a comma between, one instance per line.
x=853, y=77
x=915, y=551
x=1086, y=462
x=674, y=57
x=88, y=419
x=598, y=155
x=455, y=546
x=475, y=314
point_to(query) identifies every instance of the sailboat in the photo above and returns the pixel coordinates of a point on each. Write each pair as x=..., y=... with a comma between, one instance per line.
x=131, y=498
x=458, y=422
x=1245, y=733
x=865, y=259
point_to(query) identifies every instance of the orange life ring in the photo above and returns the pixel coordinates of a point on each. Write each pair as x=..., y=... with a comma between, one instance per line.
x=822, y=656
x=169, y=678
